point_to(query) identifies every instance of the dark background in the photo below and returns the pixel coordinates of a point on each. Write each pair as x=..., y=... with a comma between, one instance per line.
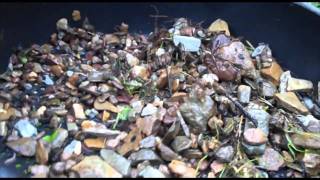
x=291, y=31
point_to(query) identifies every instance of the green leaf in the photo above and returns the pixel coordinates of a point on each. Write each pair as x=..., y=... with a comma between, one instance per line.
x=50, y=138
x=123, y=115
x=132, y=86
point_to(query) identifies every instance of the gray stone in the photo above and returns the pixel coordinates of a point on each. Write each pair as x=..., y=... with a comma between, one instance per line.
x=254, y=150
x=118, y=162
x=309, y=122
x=197, y=111
x=306, y=140
x=23, y=146
x=267, y=89
x=262, y=118
x=150, y=172
x=96, y=76
x=181, y=143
x=271, y=160
x=148, y=142
x=62, y=135
x=149, y=110
x=244, y=93
x=166, y=153
x=144, y=155
x=225, y=154
x=191, y=44
x=25, y=128
x=74, y=148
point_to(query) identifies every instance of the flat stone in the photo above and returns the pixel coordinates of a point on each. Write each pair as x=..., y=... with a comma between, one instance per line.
x=271, y=160
x=98, y=129
x=244, y=93
x=225, y=154
x=310, y=123
x=254, y=150
x=218, y=26
x=150, y=172
x=95, y=167
x=149, y=110
x=302, y=85
x=144, y=155
x=306, y=140
x=118, y=162
x=267, y=89
x=62, y=135
x=192, y=154
x=272, y=73
x=181, y=143
x=25, y=128
x=96, y=76
x=105, y=106
x=148, y=124
x=78, y=111
x=130, y=142
x=180, y=168
x=311, y=160
x=148, y=142
x=166, y=153
x=255, y=136
x=23, y=146
x=290, y=101
x=96, y=143
x=190, y=44
x=74, y=148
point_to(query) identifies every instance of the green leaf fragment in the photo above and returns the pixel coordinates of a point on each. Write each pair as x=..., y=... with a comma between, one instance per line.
x=122, y=115
x=51, y=138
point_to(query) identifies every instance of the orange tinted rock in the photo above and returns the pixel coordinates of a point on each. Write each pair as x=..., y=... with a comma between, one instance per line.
x=290, y=101
x=272, y=73
x=97, y=143
x=181, y=168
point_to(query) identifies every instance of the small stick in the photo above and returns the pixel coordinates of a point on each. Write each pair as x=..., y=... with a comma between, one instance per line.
x=169, y=81
x=221, y=90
